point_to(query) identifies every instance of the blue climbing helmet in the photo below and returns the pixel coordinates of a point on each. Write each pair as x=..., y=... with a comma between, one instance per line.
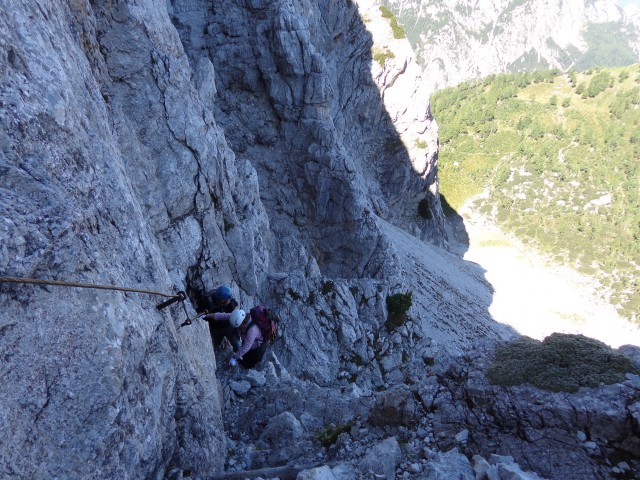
x=222, y=293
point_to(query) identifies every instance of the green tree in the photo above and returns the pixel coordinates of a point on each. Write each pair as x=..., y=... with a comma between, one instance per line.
x=599, y=83
x=524, y=122
x=398, y=31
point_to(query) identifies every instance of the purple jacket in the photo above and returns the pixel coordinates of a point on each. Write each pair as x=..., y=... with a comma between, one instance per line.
x=251, y=338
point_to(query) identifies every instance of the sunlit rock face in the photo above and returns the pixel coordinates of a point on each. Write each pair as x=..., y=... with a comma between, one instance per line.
x=110, y=164
x=459, y=40
x=342, y=167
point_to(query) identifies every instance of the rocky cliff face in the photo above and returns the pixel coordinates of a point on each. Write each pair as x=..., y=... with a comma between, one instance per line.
x=110, y=167
x=459, y=40
x=173, y=146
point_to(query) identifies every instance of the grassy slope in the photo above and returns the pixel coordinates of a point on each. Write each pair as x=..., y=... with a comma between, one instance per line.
x=559, y=155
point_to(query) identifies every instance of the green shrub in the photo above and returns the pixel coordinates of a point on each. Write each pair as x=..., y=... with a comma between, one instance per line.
x=599, y=83
x=524, y=122
x=386, y=13
x=329, y=435
x=560, y=363
x=381, y=56
x=421, y=144
x=398, y=305
x=398, y=31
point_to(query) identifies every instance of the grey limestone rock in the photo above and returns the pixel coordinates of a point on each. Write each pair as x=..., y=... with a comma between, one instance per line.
x=394, y=407
x=382, y=459
x=451, y=464
x=240, y=388
x=538, y=428
x=109, y=165
x=319, y=473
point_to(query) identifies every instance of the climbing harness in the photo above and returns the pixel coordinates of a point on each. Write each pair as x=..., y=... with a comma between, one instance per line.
x=178, y=297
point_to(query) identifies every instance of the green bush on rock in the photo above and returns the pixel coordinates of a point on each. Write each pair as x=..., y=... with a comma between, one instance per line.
x=329, y=435
x=398, y=305
x=560, y=363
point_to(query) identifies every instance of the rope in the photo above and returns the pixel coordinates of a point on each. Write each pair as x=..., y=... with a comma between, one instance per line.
x=59, y=283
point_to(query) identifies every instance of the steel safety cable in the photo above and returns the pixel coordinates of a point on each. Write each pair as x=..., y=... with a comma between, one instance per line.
x=180, y=296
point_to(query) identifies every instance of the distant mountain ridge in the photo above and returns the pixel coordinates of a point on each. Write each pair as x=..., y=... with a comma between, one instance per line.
x=459, y=40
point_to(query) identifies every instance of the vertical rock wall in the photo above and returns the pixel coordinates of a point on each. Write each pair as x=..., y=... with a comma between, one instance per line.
x=300, y=97
x=113, y=171
x=297, y=98
x=174, y=146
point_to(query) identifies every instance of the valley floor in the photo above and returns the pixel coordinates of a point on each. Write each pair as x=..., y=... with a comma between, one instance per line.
x=535, y=297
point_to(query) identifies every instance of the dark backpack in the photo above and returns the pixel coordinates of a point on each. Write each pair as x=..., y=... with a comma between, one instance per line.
x=267, y=324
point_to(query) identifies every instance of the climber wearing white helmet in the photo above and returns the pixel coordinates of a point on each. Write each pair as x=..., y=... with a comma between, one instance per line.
x=253, y=344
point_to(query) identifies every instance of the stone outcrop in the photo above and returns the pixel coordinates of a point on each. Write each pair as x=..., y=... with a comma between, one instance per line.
x=111, y=174
x=297, y=98
x=538, y=427
x=450, y=423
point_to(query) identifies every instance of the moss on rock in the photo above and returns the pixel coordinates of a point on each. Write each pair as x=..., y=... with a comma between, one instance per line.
x=560, y=363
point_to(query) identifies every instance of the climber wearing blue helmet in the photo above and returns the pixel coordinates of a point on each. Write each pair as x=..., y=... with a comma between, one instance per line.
x=222, y=293
x=221, y=301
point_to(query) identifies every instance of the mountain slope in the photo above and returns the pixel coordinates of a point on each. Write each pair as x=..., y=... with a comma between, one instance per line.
x=537, y=297
x=557, y=156
x=459, y=40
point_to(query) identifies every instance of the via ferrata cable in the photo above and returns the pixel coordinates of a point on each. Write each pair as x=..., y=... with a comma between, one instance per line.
x=172, y=298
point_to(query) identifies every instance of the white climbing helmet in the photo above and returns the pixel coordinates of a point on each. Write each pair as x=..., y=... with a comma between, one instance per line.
x=237, y=317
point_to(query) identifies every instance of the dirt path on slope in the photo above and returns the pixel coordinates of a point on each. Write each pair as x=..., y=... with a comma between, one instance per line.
x=535, y=297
